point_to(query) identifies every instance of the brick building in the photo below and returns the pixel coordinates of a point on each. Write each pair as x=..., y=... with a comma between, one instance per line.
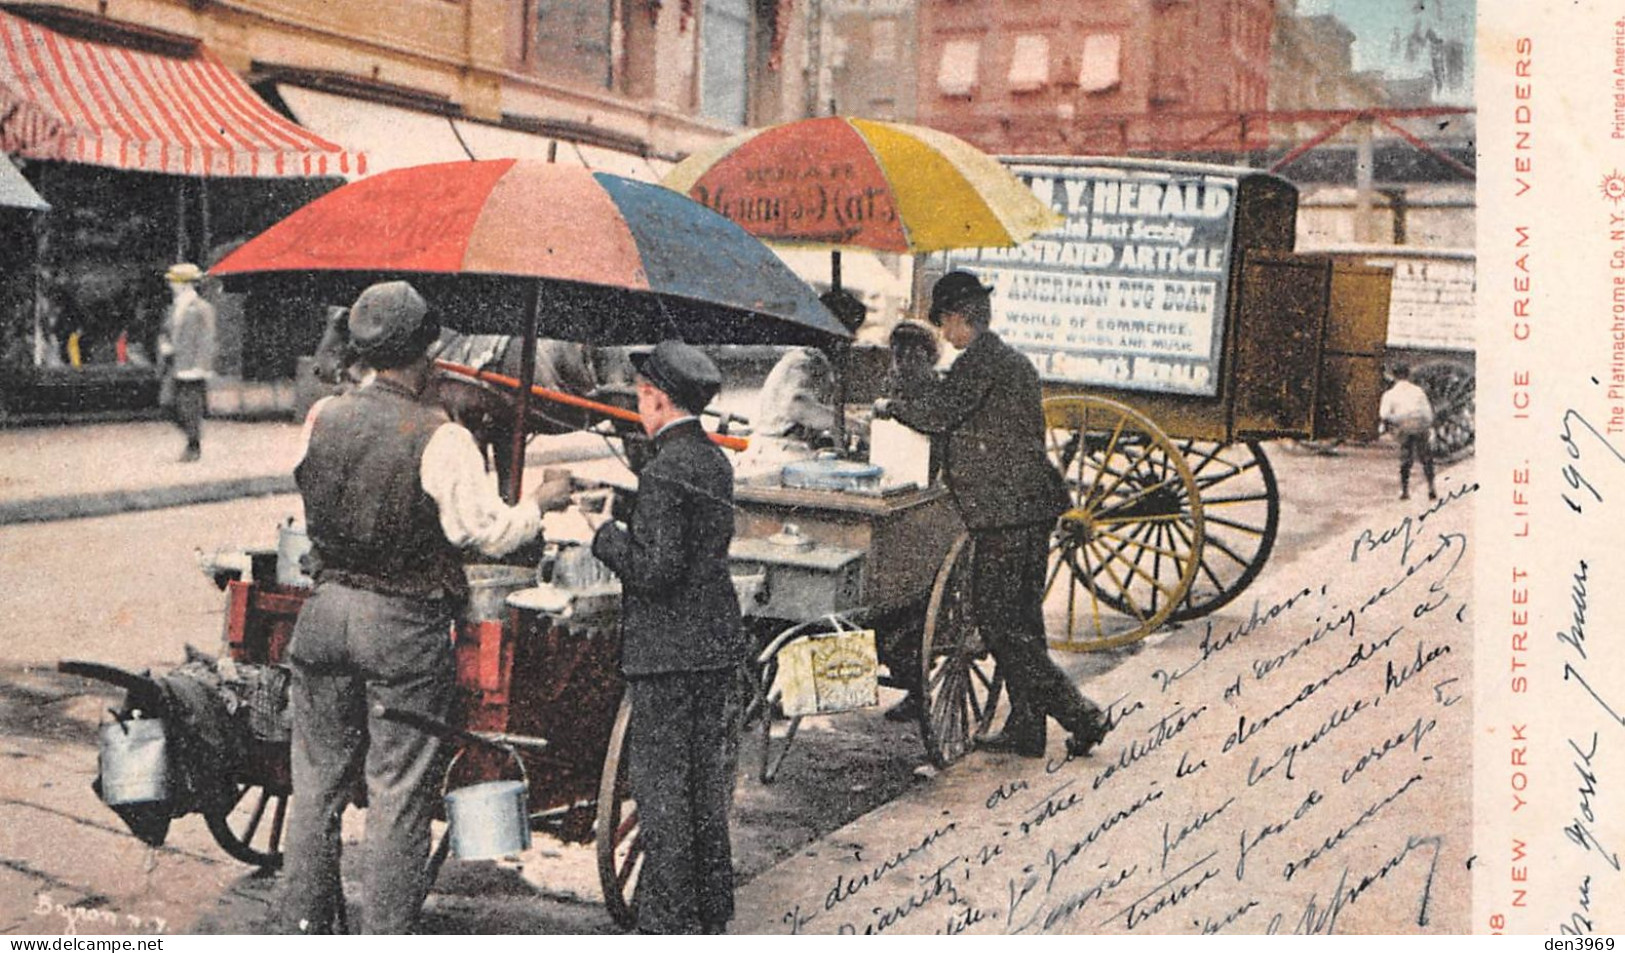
x=1105, y=77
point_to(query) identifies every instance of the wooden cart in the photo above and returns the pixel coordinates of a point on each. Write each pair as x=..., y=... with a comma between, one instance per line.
x=524, y=677
x=1175, y=329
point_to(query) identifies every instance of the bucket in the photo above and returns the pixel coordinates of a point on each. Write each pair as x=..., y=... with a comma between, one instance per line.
x=488, y=820
x=133, y=761
x=291, y=544
x=489, y=585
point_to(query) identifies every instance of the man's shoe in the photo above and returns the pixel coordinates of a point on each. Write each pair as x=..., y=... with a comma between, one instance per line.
x=1080, y=744
x=191, y=455
x=1023, y=744
x=907, y=710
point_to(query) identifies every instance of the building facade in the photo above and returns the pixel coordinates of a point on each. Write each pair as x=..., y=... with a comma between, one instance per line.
x=1111, y=77
x=626, y=86
x=867, y=50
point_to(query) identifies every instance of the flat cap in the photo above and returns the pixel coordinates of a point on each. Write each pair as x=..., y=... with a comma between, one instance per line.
x=386, y=321
x=683, y=372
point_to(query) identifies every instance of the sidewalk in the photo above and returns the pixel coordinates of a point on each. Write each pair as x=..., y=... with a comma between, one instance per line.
x=84, y=470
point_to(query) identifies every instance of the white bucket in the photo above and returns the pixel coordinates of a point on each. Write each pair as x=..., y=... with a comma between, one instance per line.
x=488, y=820
x=133, y=761
x=291, y=544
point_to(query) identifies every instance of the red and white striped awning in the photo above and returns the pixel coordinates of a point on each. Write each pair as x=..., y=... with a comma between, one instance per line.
x=77, y=101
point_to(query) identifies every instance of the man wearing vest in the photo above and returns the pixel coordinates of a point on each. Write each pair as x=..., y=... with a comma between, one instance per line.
x=990, y=407
x=393, y=492
x=682, y=640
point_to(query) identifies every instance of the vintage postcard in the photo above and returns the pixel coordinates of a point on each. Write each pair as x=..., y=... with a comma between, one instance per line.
x=1340, y=425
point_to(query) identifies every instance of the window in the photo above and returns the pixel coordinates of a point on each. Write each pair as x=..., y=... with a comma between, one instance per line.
x=1101, y=63
x=571, y=40
x=1029, y=63
x=883, y=41
x=956, y=74
x=725, y=30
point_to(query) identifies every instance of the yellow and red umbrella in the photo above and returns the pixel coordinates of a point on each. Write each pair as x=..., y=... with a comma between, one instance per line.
x=860, y=183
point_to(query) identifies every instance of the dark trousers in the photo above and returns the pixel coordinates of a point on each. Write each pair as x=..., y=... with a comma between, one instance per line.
x=1415, y=446
x=191, y=400
x=352, y=651
x=681, y=742
x=1008, y=597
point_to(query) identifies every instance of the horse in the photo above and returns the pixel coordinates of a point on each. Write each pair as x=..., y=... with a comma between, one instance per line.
x=603, y=374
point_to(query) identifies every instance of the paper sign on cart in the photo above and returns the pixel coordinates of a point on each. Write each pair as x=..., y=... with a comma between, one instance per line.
x=820, y=674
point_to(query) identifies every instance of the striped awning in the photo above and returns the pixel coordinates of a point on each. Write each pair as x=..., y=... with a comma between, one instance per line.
x=78, y=101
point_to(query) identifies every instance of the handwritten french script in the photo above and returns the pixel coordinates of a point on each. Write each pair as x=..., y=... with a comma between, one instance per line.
x=1295, y=764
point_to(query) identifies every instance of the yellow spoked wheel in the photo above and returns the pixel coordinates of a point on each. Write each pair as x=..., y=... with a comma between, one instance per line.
x=1126, y=551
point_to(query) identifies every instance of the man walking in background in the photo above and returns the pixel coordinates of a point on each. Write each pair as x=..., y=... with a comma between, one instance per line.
x=186, y=346
x=1406, y=412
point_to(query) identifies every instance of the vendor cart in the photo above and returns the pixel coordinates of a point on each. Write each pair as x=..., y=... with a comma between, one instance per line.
x=546, y=684
x=539, y=680
x=1175, y=330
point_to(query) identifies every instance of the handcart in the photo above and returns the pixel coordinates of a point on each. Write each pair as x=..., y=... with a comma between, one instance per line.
x=1175, y=330
x=639, y=264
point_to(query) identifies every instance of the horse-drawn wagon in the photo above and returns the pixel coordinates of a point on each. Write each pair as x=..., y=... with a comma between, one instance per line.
x=1175, y=330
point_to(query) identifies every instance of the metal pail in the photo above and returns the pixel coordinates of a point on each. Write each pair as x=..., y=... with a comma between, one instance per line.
x=488, y=820
x=133, y=761
x=489, y=585
x=291, y=544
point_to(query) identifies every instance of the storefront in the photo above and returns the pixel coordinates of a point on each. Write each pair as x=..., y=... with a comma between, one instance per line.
x=146, y=158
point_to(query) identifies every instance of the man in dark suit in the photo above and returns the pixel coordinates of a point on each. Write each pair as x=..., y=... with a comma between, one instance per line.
x=682, y=639
x=990, y=406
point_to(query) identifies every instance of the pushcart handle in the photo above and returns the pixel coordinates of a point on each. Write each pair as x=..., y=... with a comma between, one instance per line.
x=571, y=400
x=145, y=692
x=500, y=740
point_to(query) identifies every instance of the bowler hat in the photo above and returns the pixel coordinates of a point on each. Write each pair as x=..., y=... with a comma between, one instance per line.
x=390, y=324
x=184, y=272
x=682, y=371
x=953, y=291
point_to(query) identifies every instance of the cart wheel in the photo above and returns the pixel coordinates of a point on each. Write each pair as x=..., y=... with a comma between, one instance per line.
x=250, y=827
x=960, y=679
x=1131, y=543
x=1241, y=511
x=1450, y=388
x=620, y=854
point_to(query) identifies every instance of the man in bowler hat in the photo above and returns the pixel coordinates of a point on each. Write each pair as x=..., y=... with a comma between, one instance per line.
x=682, y=640
x=393, y=492
x=990, y=407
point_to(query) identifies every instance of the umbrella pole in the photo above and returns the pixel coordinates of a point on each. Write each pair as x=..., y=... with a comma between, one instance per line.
x=527, y=373
x=838, y=360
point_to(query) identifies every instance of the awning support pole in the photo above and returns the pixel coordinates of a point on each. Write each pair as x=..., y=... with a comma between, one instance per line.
x=180, y=220
x=203, y=214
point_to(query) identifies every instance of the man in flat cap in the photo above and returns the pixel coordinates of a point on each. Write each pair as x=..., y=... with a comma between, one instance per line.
x=186, y=347
x=990, y=406
x=393, y=491
x=682, y=639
